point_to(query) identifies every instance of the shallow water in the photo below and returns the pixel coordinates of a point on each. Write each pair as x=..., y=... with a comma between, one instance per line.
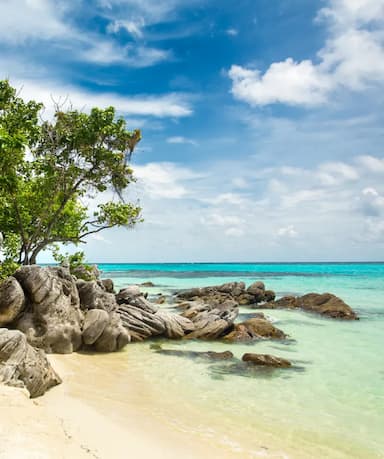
x=330, y=404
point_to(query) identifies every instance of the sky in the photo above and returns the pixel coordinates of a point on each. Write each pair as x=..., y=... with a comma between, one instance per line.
x=262, y=120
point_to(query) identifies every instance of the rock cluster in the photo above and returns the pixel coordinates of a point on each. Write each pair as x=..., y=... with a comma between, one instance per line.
x=325, y=304
x=237, y=291
x=48, y=309
x=144, y=319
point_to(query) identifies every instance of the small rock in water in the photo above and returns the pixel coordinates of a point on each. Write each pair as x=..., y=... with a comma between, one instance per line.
x=266, y=360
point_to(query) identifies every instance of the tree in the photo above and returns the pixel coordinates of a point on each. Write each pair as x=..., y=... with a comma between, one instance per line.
x=49, y=171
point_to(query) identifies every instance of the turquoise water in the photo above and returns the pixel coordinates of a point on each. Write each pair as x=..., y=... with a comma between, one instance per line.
x=330, y=405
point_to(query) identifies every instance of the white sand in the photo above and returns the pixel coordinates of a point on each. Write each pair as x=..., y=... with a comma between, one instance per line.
x=73, y=422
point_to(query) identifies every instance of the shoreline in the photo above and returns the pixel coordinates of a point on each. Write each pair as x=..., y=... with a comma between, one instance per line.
x=68, y=423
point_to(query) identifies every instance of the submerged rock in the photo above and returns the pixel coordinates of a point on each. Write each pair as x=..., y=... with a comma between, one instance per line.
x=148, y=284
x=210, y=355
x=326, y=304
x=21, y=365
x=254, y=328
x=266, y=360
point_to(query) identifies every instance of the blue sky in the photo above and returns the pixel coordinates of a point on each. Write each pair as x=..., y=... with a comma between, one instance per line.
x=262, y=120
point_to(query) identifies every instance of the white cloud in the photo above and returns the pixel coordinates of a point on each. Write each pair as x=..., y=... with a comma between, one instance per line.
x=371, y=163
x=134, y=27
x=164, y=180
x=168, y=105
x=352, y=58
x=181, y=140
x=48, y=21
x=22, y=20
x=287, y=82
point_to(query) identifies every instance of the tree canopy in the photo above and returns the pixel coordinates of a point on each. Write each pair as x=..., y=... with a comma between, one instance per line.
x=50, y=170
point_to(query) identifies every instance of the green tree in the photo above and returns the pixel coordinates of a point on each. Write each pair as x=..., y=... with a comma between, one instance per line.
x=50, y=170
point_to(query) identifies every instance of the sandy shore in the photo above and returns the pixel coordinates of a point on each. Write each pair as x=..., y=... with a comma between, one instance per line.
x=70, y=422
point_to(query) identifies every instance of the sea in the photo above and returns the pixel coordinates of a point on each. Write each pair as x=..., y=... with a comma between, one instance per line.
x=330, y=404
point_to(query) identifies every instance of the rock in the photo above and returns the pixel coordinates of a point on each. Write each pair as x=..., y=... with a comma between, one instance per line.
x=108, y=285
x=211, y=355
x=256, y=286
x=161, y=299
x=286, y=302
x=269, y=295
x=211, y=322
x=21, y=365
x=176, y=326
x=12, y=300
x=114, y=336
x=94, y=324
x=255, y=328
x=234, y=288
x=92, y=296
x=148, y=284
x=245, y=299
x=266, y=360
x=52, y=318
x=127, y=294
x=143, y=320
x=325, y=304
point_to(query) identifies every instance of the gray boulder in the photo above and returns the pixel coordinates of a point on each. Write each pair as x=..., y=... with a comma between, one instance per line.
x=93, y=296
x=104, y=331
x=21, y=365
x=12, y=300
x=52, y=318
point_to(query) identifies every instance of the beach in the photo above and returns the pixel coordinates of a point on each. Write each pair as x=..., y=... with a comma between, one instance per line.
x=140, y=401
x=80, y=419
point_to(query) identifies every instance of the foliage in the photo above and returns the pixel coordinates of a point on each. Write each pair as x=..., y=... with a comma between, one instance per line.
x=49, y=171
x=10, y=250
x=77, y=263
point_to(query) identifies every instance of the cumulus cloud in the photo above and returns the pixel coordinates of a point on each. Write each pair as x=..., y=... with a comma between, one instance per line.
x=352, y=58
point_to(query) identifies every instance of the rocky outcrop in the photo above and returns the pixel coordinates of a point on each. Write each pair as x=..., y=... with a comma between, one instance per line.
x=94, y=296
x=266, y=360
x=144, y=319
x=52, y=318
x=21, y=365
x=210, y=321
x=326, y=304
x=12, y=300
x=104, y=331
x=236, y=291
x=255, y=328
